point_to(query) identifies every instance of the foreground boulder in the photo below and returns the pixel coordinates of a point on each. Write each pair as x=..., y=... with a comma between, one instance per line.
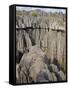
x=33, y=68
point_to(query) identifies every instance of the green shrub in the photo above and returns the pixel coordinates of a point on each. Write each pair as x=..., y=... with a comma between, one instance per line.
x=34, y=14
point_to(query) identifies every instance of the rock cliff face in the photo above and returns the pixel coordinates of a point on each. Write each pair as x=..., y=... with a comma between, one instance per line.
x=47, y=31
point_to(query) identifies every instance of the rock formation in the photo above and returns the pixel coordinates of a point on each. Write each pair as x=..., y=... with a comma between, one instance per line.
x=41, y=45
x=32, y=68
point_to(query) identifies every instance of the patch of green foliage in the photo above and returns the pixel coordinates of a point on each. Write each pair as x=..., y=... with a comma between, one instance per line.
x=34, y=14
x=64, y=65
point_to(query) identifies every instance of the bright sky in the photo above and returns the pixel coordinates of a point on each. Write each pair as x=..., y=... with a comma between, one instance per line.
x=44, y=9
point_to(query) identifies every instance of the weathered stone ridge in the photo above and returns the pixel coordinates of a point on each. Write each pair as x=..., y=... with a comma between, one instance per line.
x=48, y=31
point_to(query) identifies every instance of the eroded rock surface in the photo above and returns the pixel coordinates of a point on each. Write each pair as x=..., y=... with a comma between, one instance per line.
x=40, y=46
x=34, y=69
